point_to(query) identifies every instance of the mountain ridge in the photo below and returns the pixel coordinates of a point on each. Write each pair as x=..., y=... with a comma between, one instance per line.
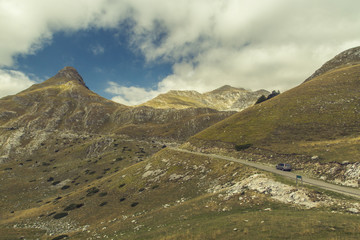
x=64, y=103
x=225, y=98
x=348, y=57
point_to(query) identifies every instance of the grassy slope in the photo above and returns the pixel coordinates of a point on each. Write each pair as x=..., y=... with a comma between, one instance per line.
x=319, y=117
x=173, y=201
x=170, y=100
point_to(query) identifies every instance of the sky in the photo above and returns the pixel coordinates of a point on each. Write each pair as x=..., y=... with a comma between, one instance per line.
x=130, y=51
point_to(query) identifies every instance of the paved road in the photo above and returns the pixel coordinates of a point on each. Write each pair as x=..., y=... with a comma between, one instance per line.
x=321, y=184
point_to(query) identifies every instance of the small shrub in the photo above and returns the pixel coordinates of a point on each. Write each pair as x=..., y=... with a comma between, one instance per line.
x=50, y=179
x=61, y=237
x=73, y=206
x=243, y=146
x=122, y=185
x=134, y=204
x=103, y=194
x=56, y=183
x=155, y=186
x=60, y=215
x=102, y=204
x=122, y=199
x=261, y=99
x=51, y=214
x=92, y=191
x=65, y=187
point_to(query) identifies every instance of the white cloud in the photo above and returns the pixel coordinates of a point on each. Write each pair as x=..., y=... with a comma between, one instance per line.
x=97, y=49
x=272, y=44
x=130, y=95
x=12, y=82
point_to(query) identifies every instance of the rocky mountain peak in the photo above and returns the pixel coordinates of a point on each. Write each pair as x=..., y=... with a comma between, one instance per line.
x=347, y=57
x=69, y=74
x=227, y=88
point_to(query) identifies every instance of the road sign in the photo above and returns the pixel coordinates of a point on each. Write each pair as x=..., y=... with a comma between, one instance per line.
x=298, y=177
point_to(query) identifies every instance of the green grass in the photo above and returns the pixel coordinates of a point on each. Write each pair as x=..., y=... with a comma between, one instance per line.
x=174, y=209
x=303, y=120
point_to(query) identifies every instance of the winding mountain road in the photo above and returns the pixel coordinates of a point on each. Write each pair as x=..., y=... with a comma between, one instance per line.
x=318, y=183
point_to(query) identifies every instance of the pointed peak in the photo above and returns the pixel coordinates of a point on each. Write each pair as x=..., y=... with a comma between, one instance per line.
x=69, y=74
x=227, y=88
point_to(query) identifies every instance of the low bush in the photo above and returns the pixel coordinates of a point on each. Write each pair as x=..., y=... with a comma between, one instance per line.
x=242, y=146
x=60, y=215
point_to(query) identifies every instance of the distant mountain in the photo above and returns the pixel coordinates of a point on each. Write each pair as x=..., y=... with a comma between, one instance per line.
x=225, y=98
x=317, y=122
x=63, y=104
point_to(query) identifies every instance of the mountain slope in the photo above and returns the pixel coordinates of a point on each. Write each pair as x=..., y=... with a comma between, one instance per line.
x=345, y=58
x=316, y=122
x=168, y=195
x=99, y=170
x=223, y=99
x=63, y=104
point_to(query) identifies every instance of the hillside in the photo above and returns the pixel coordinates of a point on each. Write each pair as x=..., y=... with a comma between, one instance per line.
x=64, y=105
x=310, y=125
x=78, y=166
x=225, y=98
x=167, y=195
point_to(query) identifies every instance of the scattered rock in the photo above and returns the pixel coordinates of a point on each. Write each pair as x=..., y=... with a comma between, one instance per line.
x=353, y=210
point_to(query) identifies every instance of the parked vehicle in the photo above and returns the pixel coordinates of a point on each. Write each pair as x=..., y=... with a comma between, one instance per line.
x=283, y=166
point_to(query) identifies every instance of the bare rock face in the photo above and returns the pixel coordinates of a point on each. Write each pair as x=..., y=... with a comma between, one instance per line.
x=348, y=57
x=69, y=74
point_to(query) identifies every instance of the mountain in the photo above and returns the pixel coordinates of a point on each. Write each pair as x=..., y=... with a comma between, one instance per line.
x=64, y=105
x=315, y=125
x=346, y=58
x=78, y=166
x=225, y=98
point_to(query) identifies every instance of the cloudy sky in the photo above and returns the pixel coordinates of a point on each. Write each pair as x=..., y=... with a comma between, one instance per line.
x=132, y=50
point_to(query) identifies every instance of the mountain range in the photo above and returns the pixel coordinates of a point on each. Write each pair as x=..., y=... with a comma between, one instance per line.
x=76, y=165
x=225, y=98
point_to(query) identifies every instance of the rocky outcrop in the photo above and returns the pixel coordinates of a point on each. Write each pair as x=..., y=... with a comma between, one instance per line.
x=348, y=57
